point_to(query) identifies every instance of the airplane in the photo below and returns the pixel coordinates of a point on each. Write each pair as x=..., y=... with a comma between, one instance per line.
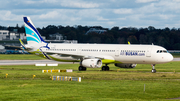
x=94, y=55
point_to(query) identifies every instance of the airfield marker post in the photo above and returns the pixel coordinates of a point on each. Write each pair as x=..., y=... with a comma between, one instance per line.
x=34, y=76
x=6, y=75
x=144, y=88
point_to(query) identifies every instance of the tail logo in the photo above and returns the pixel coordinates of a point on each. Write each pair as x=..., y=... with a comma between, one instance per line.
x=31, y=36
x=32, y=33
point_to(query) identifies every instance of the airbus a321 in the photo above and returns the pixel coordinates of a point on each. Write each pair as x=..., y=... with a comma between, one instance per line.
x=94, y=55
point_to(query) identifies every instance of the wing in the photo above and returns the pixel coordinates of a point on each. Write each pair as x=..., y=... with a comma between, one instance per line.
x=105, y=58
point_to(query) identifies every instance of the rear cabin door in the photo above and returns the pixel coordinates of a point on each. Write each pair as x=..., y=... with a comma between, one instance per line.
x=117, y=52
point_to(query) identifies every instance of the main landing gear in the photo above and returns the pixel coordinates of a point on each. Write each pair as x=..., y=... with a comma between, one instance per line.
x=153, y=68
x=105, y=68
x=81, y=68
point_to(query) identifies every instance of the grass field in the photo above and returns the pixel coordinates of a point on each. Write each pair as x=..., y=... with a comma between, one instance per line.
x=19, y=57
x=127, y=84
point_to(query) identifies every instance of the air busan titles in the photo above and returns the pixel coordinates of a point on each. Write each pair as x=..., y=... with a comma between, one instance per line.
x=94, y=55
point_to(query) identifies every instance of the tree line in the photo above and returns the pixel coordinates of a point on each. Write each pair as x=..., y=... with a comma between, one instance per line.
x=168, y=38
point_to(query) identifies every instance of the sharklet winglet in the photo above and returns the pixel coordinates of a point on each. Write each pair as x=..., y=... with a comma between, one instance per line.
x=22, y=44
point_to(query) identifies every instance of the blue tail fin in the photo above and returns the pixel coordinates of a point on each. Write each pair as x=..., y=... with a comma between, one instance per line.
x=32, y=34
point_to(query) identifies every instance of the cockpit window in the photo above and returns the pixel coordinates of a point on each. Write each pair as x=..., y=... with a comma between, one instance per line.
x=162, y=51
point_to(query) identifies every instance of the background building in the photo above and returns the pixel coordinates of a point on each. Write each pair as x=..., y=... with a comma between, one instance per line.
x=11, y=35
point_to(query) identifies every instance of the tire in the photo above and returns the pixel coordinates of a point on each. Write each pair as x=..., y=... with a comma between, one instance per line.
x=80, y=68
x=153, y=70
x=103, y=68
x=84, y=68
x=107, y=68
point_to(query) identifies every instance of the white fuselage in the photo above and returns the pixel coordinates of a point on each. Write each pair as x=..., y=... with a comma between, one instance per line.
x=112, y=53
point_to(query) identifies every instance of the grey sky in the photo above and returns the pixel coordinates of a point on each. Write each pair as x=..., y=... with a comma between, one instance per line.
x=105, y=13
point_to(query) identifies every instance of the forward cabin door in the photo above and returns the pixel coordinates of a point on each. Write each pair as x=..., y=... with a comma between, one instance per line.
x=79, y=50
x=148, y=52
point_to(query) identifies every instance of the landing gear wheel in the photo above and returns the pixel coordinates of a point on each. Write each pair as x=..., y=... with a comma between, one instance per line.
x=105, y=68
x=84, y=68
x=153, y=70
x=81, y=68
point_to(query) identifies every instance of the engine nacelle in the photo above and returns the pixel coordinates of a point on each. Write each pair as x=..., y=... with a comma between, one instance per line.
x=123, y=65
x=91, y=63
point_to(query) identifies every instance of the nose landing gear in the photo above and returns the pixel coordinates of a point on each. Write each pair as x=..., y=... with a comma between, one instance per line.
x=153, y=68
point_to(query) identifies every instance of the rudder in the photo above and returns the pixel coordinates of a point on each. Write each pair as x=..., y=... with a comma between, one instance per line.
x=32, y=34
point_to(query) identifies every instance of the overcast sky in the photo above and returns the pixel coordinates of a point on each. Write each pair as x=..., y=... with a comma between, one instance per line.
x=105, y=13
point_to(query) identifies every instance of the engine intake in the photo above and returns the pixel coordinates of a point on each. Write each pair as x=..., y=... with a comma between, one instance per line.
x=123, y=65
x=91, y=63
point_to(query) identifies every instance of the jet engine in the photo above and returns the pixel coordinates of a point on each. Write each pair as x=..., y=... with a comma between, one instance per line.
x=123, y=65
x=91, y=63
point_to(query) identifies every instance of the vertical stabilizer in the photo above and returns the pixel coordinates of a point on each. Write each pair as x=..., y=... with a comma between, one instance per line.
x=32, y=34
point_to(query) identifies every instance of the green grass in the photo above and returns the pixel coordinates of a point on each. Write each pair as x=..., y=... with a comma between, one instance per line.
x=127, y=84
x=19, y=57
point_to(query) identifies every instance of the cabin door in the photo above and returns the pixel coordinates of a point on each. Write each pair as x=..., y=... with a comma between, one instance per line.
x=148, y=52
x=117, y=52
x=79, y=50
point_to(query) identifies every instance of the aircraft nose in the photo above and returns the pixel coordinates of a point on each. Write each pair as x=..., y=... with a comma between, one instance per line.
x=170, y=57
x=165, y=58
